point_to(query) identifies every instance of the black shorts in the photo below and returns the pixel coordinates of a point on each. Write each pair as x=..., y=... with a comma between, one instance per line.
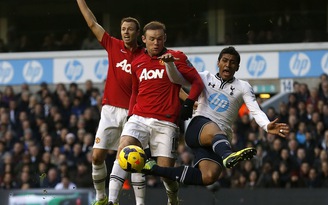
x=192, y=136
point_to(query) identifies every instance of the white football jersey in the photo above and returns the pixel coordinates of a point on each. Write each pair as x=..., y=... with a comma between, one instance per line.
x=220, y=101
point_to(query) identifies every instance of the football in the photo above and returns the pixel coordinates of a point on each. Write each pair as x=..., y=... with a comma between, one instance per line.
x=132, y=158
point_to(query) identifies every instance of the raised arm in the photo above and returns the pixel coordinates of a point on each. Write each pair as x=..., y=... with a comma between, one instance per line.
x=91, y=20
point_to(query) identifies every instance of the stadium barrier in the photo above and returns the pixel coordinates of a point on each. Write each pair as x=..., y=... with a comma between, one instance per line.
x=157, y=196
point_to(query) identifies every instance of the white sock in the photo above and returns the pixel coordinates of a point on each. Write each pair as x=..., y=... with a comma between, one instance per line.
x=117, y=178
x=172, y=188
x=99, y=174
x=138, y=181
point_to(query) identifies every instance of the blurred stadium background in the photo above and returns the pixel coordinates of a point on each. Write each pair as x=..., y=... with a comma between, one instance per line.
x=51, y=81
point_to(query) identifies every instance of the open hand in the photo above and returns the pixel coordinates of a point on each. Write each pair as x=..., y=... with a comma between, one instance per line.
x=168, y=57
x=281, y=129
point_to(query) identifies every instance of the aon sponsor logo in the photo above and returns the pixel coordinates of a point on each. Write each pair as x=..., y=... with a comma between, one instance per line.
x=124, y=65
x=151, y=74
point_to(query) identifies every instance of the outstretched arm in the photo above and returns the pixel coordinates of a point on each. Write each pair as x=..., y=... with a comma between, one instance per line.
x=190, y=77
x=281, y=129
x=273, y=127
x=91, y=20
x=172, y=71
x=174, y=75
x=185, y=75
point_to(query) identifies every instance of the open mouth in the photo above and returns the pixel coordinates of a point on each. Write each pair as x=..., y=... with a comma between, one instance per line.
x=226, y=72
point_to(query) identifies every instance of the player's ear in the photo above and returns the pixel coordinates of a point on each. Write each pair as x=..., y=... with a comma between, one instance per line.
x=143, y=37
x=237, y=68
x=165, y=37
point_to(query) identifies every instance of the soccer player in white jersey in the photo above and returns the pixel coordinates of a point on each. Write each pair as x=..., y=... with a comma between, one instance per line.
x=209, y=132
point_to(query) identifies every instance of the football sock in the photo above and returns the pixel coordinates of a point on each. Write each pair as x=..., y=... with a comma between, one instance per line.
x=138, y=182
x=221, y=145
x=184, y=174
x=99, y=174
x=117, y=178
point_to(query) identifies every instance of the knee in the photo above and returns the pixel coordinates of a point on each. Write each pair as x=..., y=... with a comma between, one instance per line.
x=209, y=178
x=98, y=156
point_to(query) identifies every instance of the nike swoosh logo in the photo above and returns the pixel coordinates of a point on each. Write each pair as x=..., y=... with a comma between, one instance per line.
x=140, y=65
x=141, y=187
x=123, y=51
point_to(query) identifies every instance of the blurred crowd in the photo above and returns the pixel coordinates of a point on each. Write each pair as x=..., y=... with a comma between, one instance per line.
x=46, y=139
x=74, y=41
x=284, y=26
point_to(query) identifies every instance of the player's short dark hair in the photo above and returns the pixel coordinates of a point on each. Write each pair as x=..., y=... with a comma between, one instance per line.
x=131, y=19
x=230, y=50
x=154, y=25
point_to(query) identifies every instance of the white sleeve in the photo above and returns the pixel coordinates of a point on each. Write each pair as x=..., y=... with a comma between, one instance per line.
x=254, y=108
x=174, y=75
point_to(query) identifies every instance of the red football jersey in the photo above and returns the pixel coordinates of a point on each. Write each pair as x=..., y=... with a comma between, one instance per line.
x=153, y=94
x=118, y=84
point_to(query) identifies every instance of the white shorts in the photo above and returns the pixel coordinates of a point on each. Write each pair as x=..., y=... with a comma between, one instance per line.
x=161, y=136
x=112, y=120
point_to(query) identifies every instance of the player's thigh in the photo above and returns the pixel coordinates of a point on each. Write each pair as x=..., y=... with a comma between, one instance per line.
x=128, y=140
x=208, y=132
x=110, y=127
x=135, y=132
x=163, y=139
x=200, y=132
x=125, y=141
x=210, y=171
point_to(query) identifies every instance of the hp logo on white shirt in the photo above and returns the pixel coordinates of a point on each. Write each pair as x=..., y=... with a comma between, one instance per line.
x=218, y=102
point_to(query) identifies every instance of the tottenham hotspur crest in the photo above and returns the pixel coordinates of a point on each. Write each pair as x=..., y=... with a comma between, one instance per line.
x=231, y=90
x=212, y=85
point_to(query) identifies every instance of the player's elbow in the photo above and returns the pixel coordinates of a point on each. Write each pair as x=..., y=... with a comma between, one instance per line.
x=92, y=25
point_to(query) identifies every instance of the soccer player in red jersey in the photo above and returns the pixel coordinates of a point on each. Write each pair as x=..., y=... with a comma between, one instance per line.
x=115, y=102
x=154, y=105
